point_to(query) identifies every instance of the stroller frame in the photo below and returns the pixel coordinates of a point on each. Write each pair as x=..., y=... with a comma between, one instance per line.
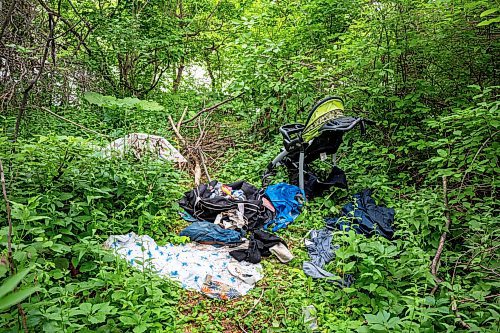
x=320, y=136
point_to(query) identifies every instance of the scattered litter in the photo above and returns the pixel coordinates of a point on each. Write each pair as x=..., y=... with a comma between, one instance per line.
x=207, y=201
x=231, y=219
x=281, y=252
x=243, y=273
x=321, y=251
x=140, y=144
x=287, y=200
x=199, y=267
x=365, y=217
x=260, y=246
x=310, y=318
x=242, y=208
x=219, y=290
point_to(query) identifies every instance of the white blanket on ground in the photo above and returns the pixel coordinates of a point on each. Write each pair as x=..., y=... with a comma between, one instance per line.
x=190, y=264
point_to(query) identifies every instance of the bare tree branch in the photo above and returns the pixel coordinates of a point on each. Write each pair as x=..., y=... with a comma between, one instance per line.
x=213, y=107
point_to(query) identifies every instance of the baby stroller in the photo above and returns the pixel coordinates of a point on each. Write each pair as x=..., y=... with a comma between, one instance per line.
x=320, y=137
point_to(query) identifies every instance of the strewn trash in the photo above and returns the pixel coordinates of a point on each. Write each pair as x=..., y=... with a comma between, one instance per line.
x=140, y=144
x=203, y=268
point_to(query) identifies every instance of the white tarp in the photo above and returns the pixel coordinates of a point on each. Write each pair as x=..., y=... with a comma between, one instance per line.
x=140, y=144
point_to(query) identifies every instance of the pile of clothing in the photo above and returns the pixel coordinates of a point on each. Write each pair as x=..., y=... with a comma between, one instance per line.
x=229, y=214
x=227, y=230
x=228, y=243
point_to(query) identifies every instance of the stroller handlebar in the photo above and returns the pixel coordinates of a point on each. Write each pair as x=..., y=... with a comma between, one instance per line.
x=345, y=124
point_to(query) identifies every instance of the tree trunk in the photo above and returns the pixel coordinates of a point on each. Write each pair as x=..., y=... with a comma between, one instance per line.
x=178, y=76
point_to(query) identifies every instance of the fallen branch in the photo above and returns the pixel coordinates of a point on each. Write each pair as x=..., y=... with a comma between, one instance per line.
x=457, y=315
x=204, y=166
x=474, y=159
x=197, y=172
x=202, y=149
x=254, y=306
x=179, y=123
x=464, y=300
x=250, y=311
x=213, y=107
x=73, y=123
x=439, y=251
x=176, y=131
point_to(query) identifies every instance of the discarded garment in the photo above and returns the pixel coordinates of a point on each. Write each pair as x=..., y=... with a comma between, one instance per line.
x=231, y=219
x=189, y=263
x=207, y=201
x=287, y=200
x=281, y=252
x=260, y=246
x=210, y=233
x=365, y=217
x=140, y=144
x=321, y=251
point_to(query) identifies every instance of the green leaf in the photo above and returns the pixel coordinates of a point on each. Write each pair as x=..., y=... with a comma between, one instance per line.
x=442, y=152
x=86, y=308
x=128, y=321
x=94, y=98
x=488, y=22
x=88, y=266
x=11, y=283
x=348, y=267
x=16, y=297
x=97, y=318
x=141, y=328
x=488, y=12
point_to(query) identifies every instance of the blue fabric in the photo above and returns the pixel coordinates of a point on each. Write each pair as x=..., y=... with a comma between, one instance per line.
x=287, y=200
x=208, y=232
x=364, y=217
x=322, y=251
x=189, y=218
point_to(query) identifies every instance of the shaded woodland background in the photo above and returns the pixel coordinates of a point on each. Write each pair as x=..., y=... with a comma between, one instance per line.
x=228, y=74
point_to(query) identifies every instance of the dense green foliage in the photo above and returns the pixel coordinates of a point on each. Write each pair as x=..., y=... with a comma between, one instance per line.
x=425, y=71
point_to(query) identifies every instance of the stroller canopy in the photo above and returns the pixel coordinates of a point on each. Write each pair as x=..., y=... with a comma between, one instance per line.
x=323, y=112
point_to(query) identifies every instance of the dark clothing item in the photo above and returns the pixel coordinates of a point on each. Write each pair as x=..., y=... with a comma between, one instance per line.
x=320, y=247
x=321, y=251
x=206, y=202
x=365, y=217
x=260, y=243
x=210, y=233
x=315, y=187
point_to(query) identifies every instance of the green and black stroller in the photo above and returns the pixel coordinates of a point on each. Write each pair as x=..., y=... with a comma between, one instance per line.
x=318, y=139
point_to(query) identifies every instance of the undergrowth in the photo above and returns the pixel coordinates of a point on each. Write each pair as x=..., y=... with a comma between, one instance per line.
x=66, y=200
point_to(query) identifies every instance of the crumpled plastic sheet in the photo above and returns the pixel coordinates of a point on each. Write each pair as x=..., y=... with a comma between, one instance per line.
x=140, y=144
